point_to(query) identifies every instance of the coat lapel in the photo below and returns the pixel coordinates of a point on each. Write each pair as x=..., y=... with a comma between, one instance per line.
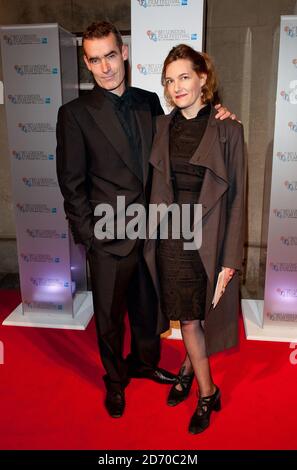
x=160, y=151
x=162, y=188
x=208, y=154
x=102, y=112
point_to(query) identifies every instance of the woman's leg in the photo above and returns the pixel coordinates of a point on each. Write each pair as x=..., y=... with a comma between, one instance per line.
x=194, y=340
x=209, y=394
x=186, y=369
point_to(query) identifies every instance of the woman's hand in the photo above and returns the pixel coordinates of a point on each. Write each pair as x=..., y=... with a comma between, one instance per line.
x=224, y=278
x=228, y=273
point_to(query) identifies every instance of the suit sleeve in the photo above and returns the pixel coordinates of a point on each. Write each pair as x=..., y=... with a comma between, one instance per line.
x=234, y=235
x=72, y=176
x=157, y=108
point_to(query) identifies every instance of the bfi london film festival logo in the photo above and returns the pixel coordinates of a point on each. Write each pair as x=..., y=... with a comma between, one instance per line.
x=39, y=155
x=23, y=39
x=291, y=185
x=287, y=293
x=288, y=241
x=31, y=305
x=51, y=285
x=46, y=233
x=30, y=127
x=29, y=99
x=283, y=267
x=285, y=213
x=282, y=316
x=287, y=156
x=35, y=69
x=292, y=126
x=178, y=35
x=39, y=258
x=291, y=31
x=39, y=182
x=291, y=95
x=150, y=69
x=163, y=3
x=35, y=209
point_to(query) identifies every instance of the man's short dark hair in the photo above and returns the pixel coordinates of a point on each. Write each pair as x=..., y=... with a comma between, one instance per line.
x=102, y=29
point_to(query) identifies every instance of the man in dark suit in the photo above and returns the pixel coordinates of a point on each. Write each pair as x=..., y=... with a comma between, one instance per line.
x=103, y=145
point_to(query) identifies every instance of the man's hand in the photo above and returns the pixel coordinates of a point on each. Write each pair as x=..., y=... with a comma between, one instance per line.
x=223, y=113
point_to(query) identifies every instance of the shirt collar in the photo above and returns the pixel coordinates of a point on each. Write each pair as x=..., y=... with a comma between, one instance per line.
x=126, y=97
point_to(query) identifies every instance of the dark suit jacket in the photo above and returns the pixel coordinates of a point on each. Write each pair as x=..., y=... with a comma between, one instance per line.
x=94, y=163
x=222, y=197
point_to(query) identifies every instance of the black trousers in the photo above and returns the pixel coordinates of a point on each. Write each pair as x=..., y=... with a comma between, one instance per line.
x=121, y=284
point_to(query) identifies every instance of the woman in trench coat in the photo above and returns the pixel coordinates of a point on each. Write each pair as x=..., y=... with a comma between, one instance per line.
x=198, y=159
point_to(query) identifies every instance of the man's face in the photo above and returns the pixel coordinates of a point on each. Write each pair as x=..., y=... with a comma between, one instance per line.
x=105, y=61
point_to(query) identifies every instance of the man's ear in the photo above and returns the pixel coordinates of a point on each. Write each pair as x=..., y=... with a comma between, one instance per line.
x=125, y=52
x=87, y=62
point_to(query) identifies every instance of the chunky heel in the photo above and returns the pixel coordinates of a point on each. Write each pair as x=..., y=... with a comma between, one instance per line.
x=217, y=406
x=201, y=418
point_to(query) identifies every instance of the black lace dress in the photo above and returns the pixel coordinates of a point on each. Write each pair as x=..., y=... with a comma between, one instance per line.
x=182, y=275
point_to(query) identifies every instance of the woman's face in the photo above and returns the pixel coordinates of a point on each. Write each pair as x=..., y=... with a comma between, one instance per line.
x=183, y=85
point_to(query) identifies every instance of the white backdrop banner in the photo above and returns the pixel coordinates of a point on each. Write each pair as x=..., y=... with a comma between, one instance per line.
x=280, y=302
x=157, y=26
x=40, y=73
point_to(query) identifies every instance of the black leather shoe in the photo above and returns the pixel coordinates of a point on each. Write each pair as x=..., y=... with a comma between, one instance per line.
x=201, y=418
x=159, y=375
x=115, y=403
x=176, y=396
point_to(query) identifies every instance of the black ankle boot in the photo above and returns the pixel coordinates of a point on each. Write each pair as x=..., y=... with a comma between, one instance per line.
x=201, y=418
x=185, y=381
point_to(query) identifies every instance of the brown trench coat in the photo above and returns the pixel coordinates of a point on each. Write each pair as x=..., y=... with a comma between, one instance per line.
x=222, y=197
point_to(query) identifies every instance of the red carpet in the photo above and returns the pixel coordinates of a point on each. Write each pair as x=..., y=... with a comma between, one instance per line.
x=51, y=396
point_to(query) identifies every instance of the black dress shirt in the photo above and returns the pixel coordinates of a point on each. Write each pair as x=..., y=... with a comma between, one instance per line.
x=124, y=107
